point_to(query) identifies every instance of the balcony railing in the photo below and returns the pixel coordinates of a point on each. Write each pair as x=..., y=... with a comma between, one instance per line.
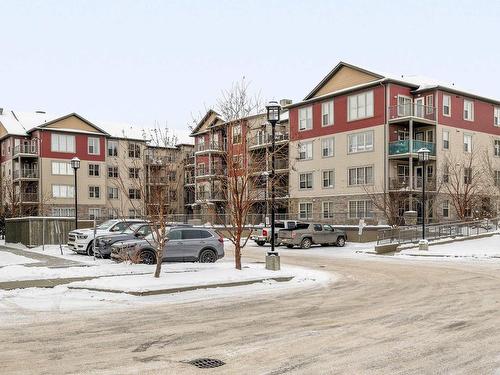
x=26, y=173
x=216, y=171
x=30, y=149
x=263, y=139
x=189, y=180
x=412, y=110
x=403, y=147
x=29, y=197
x=211, y=146
x=403, y=183
x=159, y=160
x=210, y=196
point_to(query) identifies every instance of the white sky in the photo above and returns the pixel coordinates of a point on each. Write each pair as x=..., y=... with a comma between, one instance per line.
x=146, y=61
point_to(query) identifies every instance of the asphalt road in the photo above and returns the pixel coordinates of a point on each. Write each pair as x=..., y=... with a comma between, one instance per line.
x=381, y=317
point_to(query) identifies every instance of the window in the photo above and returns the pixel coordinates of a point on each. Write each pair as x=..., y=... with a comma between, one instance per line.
x=62, y=143
x=112, y=148
x=93, y=146
x=360, y=176
x=497, y=178
x=112, y=213
x=63, y=211
x=360, y=209
x=94, y=192
x=305, y=210
x=446, y=174
x=360, y=142
x=174, y=235
x=468, y=110
x=191, y=234
x=62, y=168
x=172, y=175
x=134, y=150
x=467, y=142
x=134, y=194
x=467, y=175
x=327, y=113
x=133, y=173
x=327, y=210
x=112, y=172
x=94, y=213
x=446, y=208
x=112, y=192
x=360, y=106
x=94, y=170
x=496, y=116
x=134, y=214
x=305, y=118
x=328, y=179
x=236, y=134
x=496, y=147
x=429, y=100
x=447, y=105
x=446, y=139
x=63, y=191
x=305, y=151
x=306, y=180
x=327, y=147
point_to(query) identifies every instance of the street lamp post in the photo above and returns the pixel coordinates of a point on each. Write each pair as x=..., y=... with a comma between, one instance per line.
x=265, y=176
x=75, y=164
x=423, y=156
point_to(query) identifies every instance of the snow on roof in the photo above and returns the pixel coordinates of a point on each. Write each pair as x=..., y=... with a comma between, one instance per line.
x=18, y=123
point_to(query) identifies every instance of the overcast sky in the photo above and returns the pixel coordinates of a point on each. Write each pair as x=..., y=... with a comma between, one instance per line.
x=146, y=61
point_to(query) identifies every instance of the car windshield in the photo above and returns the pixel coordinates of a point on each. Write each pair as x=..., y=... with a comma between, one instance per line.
x=131, y=229
x=107, y=224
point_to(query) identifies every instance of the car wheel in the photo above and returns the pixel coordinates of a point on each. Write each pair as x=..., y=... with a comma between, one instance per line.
x=340, y=242
x=90, y=250
x=261, y=243
x=147, y=257
x=207, y=256
x=289, y=246
x=306, y=243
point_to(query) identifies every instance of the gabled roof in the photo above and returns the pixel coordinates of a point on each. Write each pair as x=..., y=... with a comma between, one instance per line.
x=47, y=123
x=202, y=122
x=335, y=70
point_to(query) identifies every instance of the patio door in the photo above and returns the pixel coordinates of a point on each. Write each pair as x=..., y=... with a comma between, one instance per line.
x=404, y=106
x=417, y=183
x=419, y=107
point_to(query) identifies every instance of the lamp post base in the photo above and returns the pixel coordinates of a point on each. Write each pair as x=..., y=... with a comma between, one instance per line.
x=423, y=245
x=273, y=261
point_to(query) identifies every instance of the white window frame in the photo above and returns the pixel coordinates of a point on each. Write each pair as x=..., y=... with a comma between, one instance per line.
x=360, y=106
x=236, y=134
x=112, y=192
x=447, y=106
x=445, y=207
x=330, y=179
x=329, y=211
x=308, y=215
x=305, y=118
x=94, y=213
x=429, y=102
x=330, y=145
x=306, y=148
x=327, y=108
x=361, y=174
x=62, y=143
x=496, y=147
x=112, y=145
x=93, y=146
x=364, y=209
x=446, y=139
x=63, y=211
x=63, y=191
x=306, y=180
x=61, y=168
x=468, y=144
x=95, y=168
x=354, y=147
x=469, y=107
x=92, y=192
x=496, y=116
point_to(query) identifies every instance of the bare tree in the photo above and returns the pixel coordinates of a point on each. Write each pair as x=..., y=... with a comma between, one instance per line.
x=388, y=203
x=466, y=180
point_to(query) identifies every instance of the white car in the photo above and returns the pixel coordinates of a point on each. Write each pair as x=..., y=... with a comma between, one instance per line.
x=81, y=240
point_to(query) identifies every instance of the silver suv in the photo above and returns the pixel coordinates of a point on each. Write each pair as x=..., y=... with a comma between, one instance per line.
x=184, y=245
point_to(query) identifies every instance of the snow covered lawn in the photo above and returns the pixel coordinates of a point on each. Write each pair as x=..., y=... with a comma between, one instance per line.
x=7, y=259
x=487, y=247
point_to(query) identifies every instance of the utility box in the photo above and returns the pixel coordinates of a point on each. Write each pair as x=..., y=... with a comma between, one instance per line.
x=273, y=261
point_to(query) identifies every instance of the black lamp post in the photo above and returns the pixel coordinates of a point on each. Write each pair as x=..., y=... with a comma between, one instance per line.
x=423, y=156
x=75, y=164
x=273, y=116
x=265, y=177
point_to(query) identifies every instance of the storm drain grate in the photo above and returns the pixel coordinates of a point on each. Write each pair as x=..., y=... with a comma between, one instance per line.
x=206, y=362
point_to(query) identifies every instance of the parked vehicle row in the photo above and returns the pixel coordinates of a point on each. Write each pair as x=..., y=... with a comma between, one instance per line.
x=305, y=235
x=263, y=236
x=136, y=240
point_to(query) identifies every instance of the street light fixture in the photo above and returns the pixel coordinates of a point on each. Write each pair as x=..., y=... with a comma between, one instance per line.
x=423, y=156
x=273, y=116
x=75, y=164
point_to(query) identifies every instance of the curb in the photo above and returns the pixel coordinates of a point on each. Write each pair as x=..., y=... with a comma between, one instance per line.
x=187, y=288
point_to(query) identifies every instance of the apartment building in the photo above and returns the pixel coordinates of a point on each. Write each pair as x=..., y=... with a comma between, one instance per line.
x=245, y=142
x=357, y=133
x=114, y=176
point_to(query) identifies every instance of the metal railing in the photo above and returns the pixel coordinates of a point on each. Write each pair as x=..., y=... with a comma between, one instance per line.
x=433, y=232
x=403, y=147
x=159, y=160
x=30, y=149
x=211, y=146
x=403, y=183
x=264, y=139
x=26, y=173
x=29, y=197
x=412, y=110
x=215, y=171
x=210, y=196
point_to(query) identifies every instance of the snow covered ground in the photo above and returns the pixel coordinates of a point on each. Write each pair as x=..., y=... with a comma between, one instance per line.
x=478, y=248
x=8, y=259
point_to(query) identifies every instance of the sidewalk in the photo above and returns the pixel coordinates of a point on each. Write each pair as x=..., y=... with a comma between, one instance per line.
x=43, y=260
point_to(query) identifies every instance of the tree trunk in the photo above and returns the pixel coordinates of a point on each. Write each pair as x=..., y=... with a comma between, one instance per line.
x=159, y=260
x=237, y=253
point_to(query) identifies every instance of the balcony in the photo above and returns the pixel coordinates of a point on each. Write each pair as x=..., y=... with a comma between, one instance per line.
x=412, y=110
x=208, y=196
x=211, y=172
x=28, y=173
x=29, y=197
x=210, y=147
x=403, y=182
x=264, y=139
x=403, y=147
x=190, y=159
x=159, y=160
x=189, y=180
x=26, y=149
